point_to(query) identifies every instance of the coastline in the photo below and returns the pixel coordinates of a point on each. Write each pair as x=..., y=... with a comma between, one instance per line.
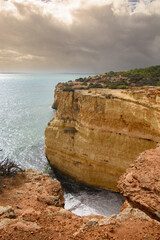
x=31, y=206
x=98, y=133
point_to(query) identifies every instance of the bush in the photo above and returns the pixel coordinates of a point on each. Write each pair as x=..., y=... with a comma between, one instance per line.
x=95, y=85
x=65, y=84
x=68, y=89
x=80, y=80
x=84, y=83
x=9, y=168
x=111, y=73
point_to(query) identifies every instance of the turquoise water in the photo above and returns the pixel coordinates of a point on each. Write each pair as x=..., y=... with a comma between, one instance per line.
x=25, y=110
x=25, y=101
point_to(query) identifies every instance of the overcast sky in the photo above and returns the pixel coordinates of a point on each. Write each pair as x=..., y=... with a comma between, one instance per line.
x=78, y=35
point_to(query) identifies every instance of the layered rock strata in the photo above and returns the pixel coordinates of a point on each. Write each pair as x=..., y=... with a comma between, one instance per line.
x=96, y=134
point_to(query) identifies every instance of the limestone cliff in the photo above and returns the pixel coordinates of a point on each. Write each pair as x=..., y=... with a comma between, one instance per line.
x=96, y=134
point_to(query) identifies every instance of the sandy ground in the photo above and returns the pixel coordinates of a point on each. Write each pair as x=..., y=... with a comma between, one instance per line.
x=35, y=211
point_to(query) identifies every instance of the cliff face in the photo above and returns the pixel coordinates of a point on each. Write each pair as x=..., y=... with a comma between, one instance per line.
x=141, y=183
x=97, y=134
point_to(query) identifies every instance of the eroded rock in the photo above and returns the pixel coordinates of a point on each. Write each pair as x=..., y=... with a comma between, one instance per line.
x=36, y=219
x=141, y=182
x=94, y=138
x=8, y=211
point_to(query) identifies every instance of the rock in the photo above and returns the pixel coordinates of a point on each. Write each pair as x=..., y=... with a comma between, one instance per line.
x=94, y=138
x=127, y=213
x=8, y=211
x=48, y=191
x=92, y=222
x=141, y=183
x=31, y=215
x=57, y=211
x=4, y=222
x=50, y=200
x=25, y=226
x=129, y=224
x=37, y=220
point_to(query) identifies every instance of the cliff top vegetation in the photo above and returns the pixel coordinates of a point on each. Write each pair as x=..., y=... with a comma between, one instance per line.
x=140, y=77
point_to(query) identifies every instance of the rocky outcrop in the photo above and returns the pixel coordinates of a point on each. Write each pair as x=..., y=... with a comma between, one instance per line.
x=131, y=223
x=96, y=134
x=57, y=96
x=141, y=183
x=31, y=207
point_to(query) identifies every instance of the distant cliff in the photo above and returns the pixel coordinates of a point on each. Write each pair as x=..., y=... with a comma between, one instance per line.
x=140, y=77
x=97, y=133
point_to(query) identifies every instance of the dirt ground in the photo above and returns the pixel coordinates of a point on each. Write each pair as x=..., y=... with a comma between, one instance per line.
x=31, y=207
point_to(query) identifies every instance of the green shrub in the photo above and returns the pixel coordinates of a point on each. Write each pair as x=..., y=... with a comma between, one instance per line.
x=68, y=89
x=80, y=80
x=84, y=83
x=95, y=85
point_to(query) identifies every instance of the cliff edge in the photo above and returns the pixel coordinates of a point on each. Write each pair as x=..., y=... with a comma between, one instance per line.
x=97, y=133
x=141, y=183
x=31, y=207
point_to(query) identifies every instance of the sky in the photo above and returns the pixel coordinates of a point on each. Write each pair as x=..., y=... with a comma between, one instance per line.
x=78, y=35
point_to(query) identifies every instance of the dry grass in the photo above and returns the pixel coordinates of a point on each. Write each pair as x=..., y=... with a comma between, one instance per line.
x=8, y=168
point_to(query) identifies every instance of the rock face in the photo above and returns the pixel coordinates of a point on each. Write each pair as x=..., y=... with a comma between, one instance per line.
x=141, y=183
x=31, y=207
x=97, y=134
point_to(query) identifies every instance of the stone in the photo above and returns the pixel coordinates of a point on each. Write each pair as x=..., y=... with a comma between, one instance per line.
x=25, y=226
x=4, y=222
x=38, y=220
x=94, y=139
x=8, y=211
x=145, y=192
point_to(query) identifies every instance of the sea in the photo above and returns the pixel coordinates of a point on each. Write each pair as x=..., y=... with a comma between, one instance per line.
x=25, y=110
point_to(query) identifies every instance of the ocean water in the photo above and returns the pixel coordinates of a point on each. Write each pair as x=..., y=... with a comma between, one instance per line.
x=25, y=110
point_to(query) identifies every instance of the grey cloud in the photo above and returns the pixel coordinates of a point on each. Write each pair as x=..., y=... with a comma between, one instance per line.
x=97, y=40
